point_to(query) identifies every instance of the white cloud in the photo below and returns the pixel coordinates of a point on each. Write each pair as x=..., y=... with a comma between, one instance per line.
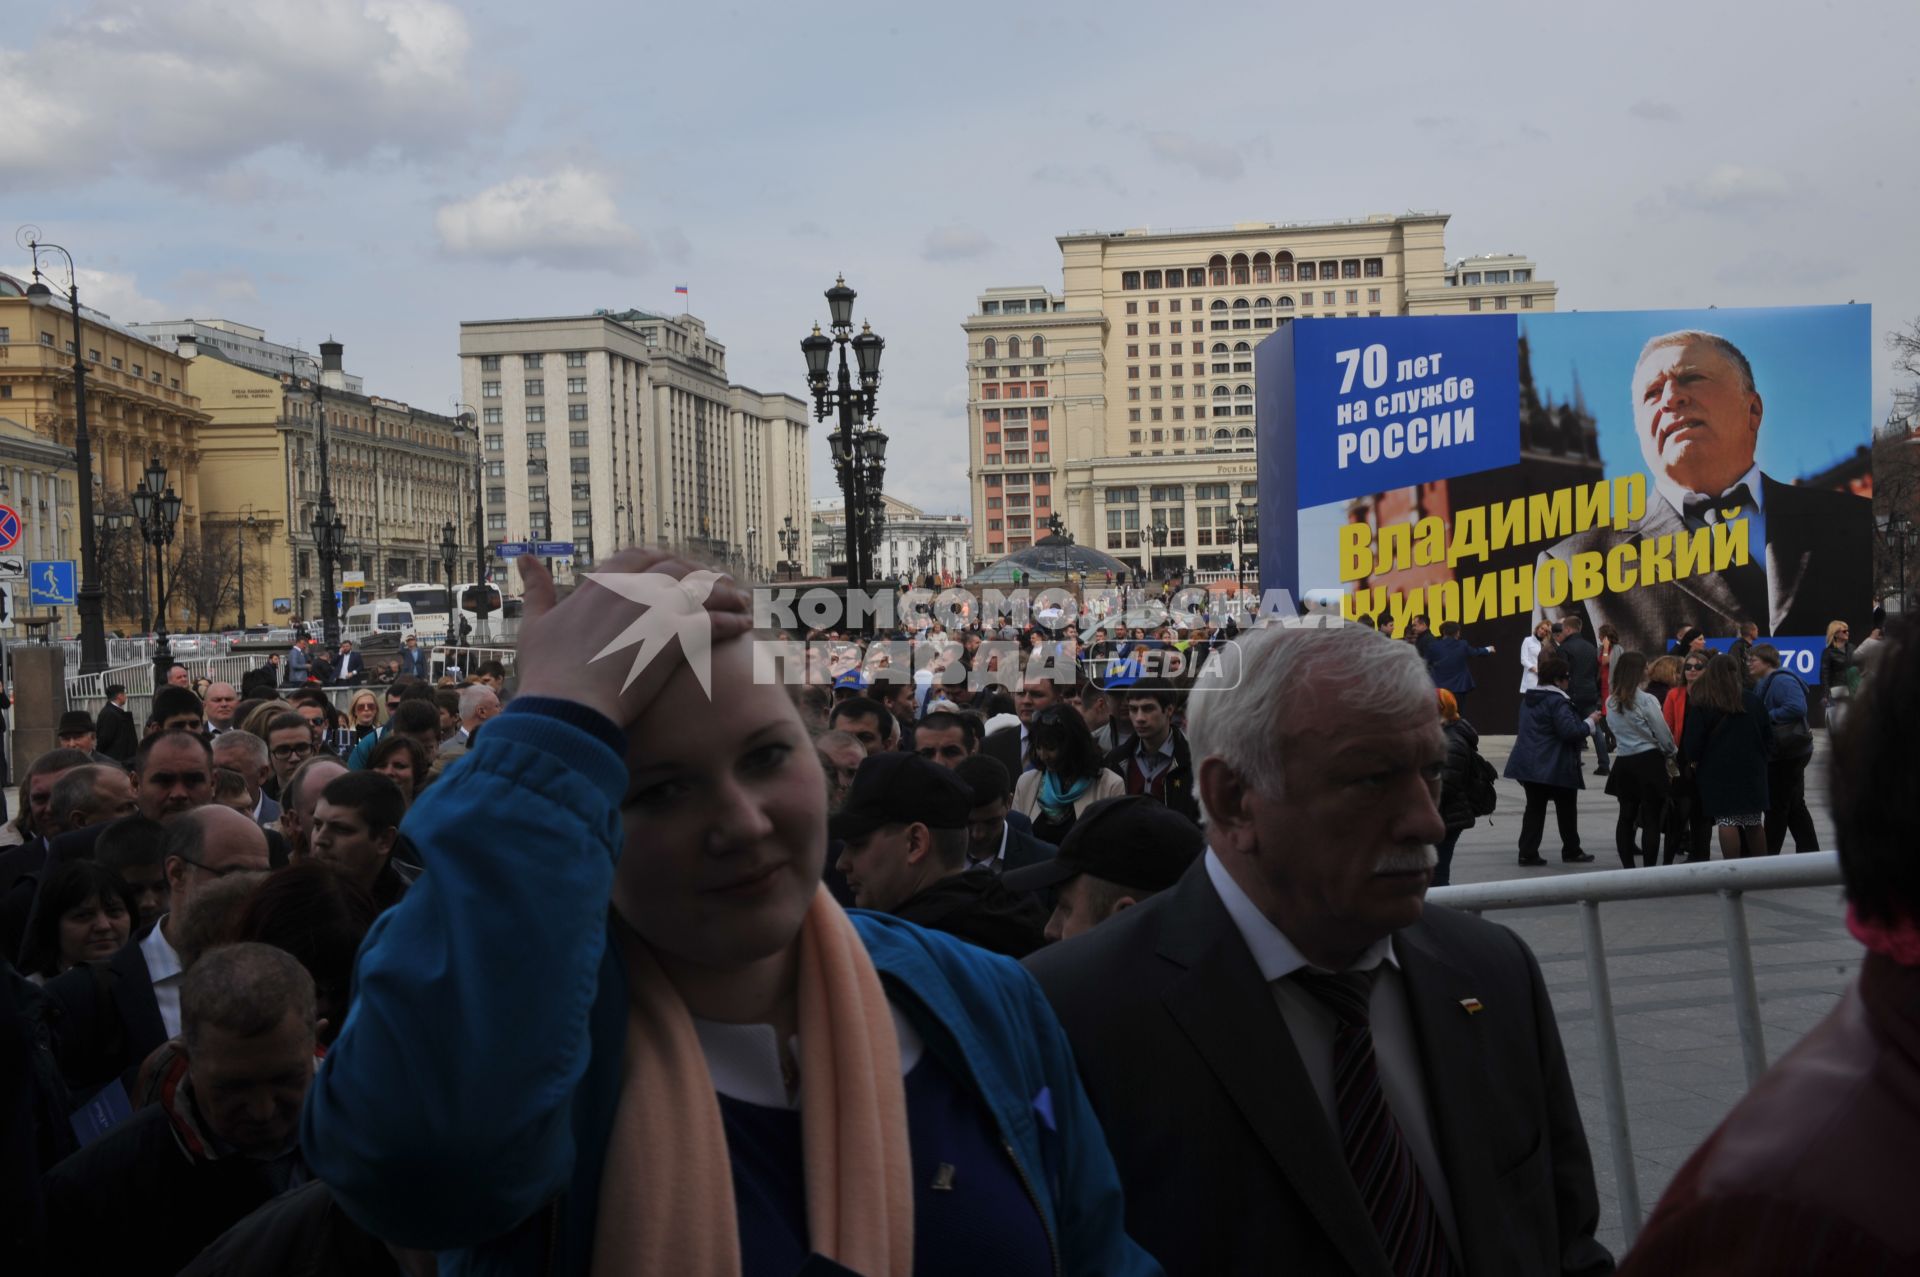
x=112, y=293
x=191, y=87
x=566, y=219
x=1729, y=187
x=955, y=243
x=1208, y=159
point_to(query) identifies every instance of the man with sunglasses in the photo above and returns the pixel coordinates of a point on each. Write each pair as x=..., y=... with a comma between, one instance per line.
x=205, y=842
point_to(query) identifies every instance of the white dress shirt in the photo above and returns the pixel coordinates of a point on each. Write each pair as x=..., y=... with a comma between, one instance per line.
x=1755, y=515
x=744, y=1059
x=1312, y=1026
x=163, y=964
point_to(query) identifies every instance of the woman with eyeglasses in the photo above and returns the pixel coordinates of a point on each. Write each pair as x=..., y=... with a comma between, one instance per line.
x=1687, y=828
x=364, y=714
x=1837, y=672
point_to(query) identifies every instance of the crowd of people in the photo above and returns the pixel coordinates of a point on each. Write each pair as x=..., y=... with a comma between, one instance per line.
x=661, y=969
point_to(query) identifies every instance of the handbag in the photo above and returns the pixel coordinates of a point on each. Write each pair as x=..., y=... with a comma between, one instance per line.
x=1671, y=760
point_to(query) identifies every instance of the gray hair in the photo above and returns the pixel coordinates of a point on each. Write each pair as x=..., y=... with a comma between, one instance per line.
x=1690, y=336
x=74, y=791
x=246, y=989
x=1238, y=709
x=246, y=743
x=472, y=698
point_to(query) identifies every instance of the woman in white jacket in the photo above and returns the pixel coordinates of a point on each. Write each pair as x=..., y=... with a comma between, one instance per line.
x=1069, y=777
x=1530, y=649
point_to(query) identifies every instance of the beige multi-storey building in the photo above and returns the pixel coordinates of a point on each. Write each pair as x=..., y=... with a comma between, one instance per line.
x=1126, y=399
x=617, y=428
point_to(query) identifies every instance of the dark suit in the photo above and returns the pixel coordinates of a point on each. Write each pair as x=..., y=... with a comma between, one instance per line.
x=1447, y=663
x=1182, y=792
x=1023, y=848
x=349, y=668
x=115, y=735
x=1005, y=746
x=101, y=1038
x=1229, y=1163
x=1819, y=568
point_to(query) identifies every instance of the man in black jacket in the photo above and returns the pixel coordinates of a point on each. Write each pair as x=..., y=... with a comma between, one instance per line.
x=905, y=828
x=1583, y=678
x=116, y=734
x=151, y=1193
x=1156, y=761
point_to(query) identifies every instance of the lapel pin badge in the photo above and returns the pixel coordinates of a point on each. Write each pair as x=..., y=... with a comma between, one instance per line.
x=1471, y=1006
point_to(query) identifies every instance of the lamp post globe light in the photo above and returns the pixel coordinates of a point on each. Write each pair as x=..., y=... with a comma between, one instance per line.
x=157, y=508
x=859, y=448
x=87, y=600
x=789, y=545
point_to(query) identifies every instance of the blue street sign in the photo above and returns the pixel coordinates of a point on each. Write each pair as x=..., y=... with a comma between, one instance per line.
x=50, y=583
x=557, y=550
x=513, y=549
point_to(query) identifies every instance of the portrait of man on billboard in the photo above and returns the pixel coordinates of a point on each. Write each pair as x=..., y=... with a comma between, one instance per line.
x=1697, y=415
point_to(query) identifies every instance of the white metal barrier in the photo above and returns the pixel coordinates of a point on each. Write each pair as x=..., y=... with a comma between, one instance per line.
x=1728, y=879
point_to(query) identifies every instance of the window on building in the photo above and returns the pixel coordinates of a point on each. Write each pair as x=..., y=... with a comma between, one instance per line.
x=1526, y=303
x=576, y=385
x=536, y=414
x=1133, y=414
x=495, y=523
x=582, y=518
x=1373, y=295
x=1129, y=280
x=1499, y=303
x=535, y=387
x=496, y=469
x=496, y=444
x=1473, y=303
x=1153, y=279
x=536, y=439
x=491, y=416
x=496, y=495
x=989, y=308
x=1039, y=351
x=576, y=359
x=489, y=390
x=576, y=438
x=990, y=349
x=576, y=412
x=532, y=361
x=580, y=465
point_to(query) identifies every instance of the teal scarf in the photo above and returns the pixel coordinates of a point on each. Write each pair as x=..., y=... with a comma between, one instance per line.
x=1057, y=803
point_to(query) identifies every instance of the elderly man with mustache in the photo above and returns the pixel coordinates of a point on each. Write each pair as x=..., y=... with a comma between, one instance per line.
x=1296, y=1060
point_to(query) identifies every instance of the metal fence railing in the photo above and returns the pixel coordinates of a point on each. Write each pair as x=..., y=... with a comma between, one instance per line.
x=1731, y=880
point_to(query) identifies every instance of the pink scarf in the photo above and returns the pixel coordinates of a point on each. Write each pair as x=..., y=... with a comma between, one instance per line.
x=666, y=1197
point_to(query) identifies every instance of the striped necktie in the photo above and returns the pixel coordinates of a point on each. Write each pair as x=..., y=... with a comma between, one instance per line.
x=1378, y=1155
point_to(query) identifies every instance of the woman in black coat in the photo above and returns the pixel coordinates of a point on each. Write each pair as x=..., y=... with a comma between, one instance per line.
x=1463, y=743
x=1545, y=759
x=1725, y=743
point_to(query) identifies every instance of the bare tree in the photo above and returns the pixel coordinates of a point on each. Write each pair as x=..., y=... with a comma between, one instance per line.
x=205, y=576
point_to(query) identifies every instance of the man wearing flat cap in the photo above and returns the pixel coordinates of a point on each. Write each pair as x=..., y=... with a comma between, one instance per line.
x=1120, y=852
x=905, y=828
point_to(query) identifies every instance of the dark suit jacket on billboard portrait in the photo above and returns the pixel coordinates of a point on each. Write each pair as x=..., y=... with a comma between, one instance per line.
x=1819, y=569
x=1230, y=1164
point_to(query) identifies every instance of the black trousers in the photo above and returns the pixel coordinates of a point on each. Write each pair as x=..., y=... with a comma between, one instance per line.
x=1787, y=811
x=1533, y=821
x=1643, y=805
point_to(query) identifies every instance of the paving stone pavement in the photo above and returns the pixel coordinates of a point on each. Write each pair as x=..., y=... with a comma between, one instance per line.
x=1666, y=959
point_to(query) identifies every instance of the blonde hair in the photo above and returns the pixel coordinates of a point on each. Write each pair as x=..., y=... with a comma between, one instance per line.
x=1833, y=627
x=366, y=694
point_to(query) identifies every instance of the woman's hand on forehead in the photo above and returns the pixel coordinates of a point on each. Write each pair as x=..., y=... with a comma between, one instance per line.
x=560, y=639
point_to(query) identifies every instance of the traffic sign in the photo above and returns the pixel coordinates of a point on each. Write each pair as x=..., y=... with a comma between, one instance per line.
x=561, y=550
x=50, y=583
x=6, y=603
x=12, y=567
x=513, y=549
x=9, y=527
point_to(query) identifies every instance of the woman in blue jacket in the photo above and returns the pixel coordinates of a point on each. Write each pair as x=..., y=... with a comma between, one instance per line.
x=1546, y=761
x=617, y=1028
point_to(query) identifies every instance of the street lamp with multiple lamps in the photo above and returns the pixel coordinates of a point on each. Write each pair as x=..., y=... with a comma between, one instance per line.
x=1900, y=533
x=1159, y=532
x=328, y=528
x=241, y=527
x=1246, y=513
x=87, y=601
x=158, y=510
x=859, y=447
x=470, y=420
x=789, y=546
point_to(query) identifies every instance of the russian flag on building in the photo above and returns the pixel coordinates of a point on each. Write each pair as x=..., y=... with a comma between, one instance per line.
x=680, y=290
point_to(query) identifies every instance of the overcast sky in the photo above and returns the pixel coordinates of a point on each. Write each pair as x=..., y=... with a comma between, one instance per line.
x=379, y=170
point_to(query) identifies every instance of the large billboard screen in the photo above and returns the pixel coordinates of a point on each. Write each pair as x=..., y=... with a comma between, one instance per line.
x=1646, y=470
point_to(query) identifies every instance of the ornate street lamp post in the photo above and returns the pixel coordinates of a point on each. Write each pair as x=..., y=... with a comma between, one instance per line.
x=241, y=527
x=789, y=545
x=1245, y=513
x=328, y=528
x=93, y=632
x=859, y=449
x=482, y=605
x=158, y=510
x=449, y=555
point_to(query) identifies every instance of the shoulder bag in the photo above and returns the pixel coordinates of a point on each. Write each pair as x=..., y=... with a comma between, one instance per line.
x=1788, y=740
